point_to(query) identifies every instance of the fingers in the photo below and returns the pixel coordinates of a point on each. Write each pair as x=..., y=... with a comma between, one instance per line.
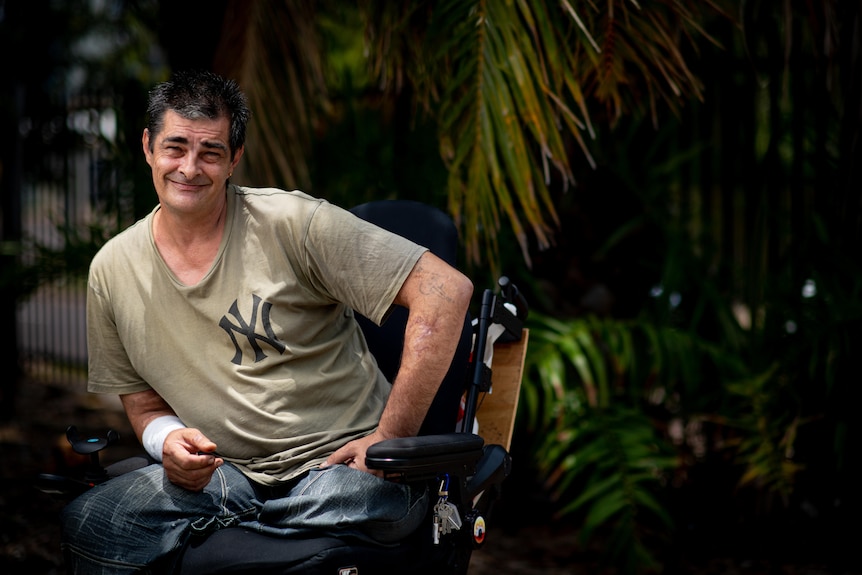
x=189, y=460
x=191, y=471
x=341, y=455
x=352, y=455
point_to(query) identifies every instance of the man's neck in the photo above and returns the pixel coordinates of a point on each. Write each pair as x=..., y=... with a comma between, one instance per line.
x=189, y=245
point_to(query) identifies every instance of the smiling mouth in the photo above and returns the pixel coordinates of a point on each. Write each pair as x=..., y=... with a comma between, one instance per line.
x=187, y=184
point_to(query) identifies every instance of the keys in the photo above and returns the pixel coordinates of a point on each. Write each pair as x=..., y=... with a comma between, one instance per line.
x=446, y=516
x=450, y=519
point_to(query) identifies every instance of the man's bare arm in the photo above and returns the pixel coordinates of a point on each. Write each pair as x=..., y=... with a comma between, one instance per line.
x=181, y=457
x=143, y=407
x=437, y=297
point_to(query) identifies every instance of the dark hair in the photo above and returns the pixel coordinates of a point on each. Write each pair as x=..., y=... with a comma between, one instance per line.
x=195, y=94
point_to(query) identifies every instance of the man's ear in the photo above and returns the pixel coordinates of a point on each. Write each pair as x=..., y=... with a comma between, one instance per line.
x=236, y=158
x=145, y=143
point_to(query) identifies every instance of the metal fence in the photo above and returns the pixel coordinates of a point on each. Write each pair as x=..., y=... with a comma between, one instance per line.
x=70, y=188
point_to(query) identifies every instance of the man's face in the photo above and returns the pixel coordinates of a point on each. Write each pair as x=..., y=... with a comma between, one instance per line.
x=190, y=162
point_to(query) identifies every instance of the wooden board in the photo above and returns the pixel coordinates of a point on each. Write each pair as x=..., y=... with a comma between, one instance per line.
x=497, y=409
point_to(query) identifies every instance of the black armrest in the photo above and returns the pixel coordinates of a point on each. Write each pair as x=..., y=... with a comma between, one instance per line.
x=129, y=464
x=426, y=456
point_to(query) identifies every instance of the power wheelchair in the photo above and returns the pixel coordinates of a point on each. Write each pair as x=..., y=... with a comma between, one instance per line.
x=463, y=473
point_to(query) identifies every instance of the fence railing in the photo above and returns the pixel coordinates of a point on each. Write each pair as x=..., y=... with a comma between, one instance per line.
x=71, y=187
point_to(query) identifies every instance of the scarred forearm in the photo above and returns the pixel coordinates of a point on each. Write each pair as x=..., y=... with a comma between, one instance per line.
x=437, y=297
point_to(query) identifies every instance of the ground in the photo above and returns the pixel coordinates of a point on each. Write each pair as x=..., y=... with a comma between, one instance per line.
x=520, y=543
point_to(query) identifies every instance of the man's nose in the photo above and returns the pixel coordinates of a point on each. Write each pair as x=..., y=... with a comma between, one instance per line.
x=189, y=167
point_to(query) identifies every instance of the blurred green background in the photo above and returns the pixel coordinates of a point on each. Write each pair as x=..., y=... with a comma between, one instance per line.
x=674, y=185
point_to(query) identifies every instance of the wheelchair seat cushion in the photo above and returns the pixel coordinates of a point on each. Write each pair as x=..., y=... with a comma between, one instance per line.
x=237, y=550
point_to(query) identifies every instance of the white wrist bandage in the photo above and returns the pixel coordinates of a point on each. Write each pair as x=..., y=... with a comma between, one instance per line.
x=157, y=431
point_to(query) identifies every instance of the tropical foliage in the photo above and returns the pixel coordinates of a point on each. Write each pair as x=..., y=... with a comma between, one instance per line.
x=506, y=85
x=621, y=413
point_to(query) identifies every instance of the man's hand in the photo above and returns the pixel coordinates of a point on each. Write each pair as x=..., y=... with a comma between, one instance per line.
x=189, y=459
x=353, y=454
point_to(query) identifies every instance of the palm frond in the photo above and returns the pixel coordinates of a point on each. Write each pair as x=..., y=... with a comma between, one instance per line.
x=508, y=83
x=588, y=382
x=281, y=70
x=640, y=56
x=612, y=474
x=768, y=437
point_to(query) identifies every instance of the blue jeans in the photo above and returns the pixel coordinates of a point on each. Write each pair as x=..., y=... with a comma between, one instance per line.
x=140, y=521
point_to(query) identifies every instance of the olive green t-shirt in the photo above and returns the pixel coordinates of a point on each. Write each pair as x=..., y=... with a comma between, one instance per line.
x=263, y=355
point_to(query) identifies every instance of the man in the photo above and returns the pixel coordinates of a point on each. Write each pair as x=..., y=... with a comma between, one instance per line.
x=224, y=319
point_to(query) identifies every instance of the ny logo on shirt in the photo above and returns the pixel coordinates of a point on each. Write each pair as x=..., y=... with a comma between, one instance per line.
x=248, y=330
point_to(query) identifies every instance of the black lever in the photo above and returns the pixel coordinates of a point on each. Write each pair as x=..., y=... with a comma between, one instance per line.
x=511, y=294
x=94, y=473
x=512, y=321
x=92, y=446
